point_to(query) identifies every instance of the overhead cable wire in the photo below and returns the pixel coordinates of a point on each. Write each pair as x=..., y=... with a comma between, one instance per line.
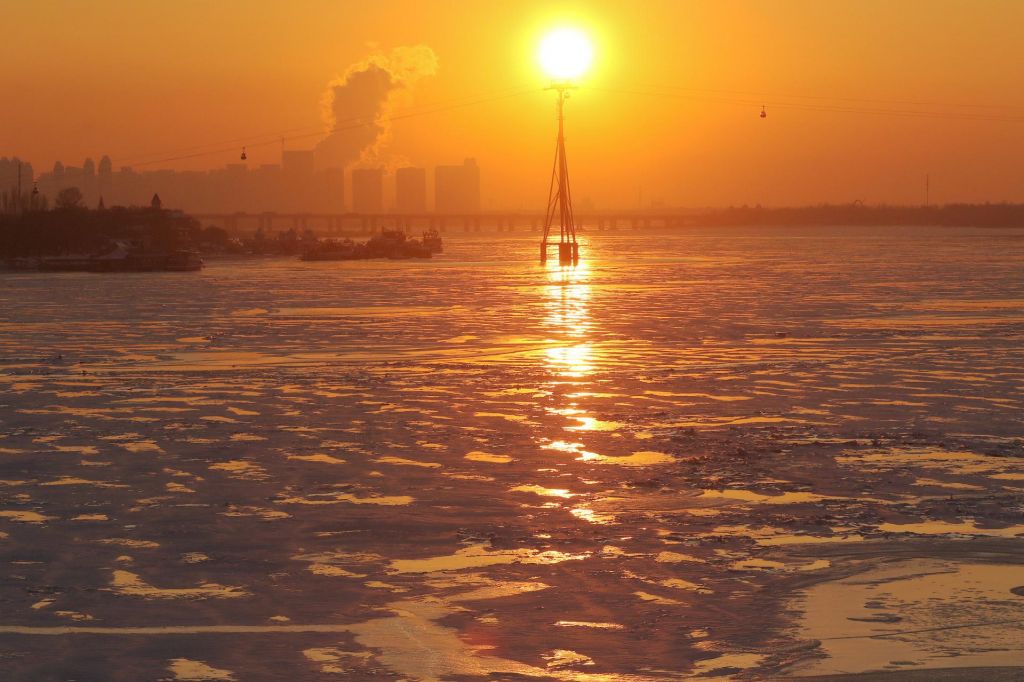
x=352, y=123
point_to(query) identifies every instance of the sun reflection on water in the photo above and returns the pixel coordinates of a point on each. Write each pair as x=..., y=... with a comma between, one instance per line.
x=567, y=297
x=571, y=361
x=567, y=304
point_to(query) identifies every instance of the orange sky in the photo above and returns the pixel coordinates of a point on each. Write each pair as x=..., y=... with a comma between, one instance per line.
x=669, y=111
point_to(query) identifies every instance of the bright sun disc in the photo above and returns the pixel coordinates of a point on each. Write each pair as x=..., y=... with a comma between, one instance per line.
x=565, y=53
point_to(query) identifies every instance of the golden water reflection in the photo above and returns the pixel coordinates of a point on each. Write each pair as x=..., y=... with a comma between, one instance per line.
x=566, y=300
x=571, y=361
x=567, y=297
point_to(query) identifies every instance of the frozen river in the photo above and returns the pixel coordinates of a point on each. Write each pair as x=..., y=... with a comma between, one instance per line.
x=671, y=462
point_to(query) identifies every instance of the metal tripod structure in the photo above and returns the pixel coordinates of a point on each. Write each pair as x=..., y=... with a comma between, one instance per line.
x=560, y=196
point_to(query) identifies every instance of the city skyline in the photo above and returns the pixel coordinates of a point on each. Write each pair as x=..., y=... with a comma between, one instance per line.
x=293, y=185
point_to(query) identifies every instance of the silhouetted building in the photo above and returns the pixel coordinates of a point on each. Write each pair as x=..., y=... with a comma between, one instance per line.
x=411, y=190
x=457, y=188
x=264, y=188
x=105, y=178
x=294, y=186
x=368, y=190
x=297, y=179
x=15, y=175
x=297, y=163
x=329, y=190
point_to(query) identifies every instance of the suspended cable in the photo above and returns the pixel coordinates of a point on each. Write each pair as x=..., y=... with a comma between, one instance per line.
x=780, y=104
x=276, y=137
x=814, y=103
x=896, y=102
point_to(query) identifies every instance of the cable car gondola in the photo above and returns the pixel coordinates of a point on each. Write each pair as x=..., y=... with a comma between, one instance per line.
x=764, y=114
x=244, y=157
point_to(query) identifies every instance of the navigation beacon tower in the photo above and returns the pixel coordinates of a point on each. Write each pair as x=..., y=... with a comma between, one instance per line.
x=559, y=195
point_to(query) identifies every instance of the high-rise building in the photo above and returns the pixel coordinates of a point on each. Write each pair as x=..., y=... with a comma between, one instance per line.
x=457, y=188
x=368, y=190
x=297, y=163
x=411, y=190
x=297, y=179
x=266, y=190
x=330, y=190
x=105, y=185
x=15, y=174
x=293, y=187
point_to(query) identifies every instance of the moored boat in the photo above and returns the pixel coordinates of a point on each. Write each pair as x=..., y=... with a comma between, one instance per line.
x=124, y=257
x=432, y=240
x=390, y=244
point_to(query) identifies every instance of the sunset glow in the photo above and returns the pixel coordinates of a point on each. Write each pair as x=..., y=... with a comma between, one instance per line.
x=690, y=76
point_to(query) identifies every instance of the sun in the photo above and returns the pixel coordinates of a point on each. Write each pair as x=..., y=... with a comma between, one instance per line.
x=565, y=54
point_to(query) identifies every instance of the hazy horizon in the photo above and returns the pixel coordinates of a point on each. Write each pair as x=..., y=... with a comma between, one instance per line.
x=669, y=113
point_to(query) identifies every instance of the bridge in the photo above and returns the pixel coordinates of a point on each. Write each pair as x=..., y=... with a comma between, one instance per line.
x=340, y=224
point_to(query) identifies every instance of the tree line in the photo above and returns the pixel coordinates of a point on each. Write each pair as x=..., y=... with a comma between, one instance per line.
x=70, y=228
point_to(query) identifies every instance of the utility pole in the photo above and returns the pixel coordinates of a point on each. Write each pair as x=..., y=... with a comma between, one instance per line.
x=927, y=189
x=560, y=196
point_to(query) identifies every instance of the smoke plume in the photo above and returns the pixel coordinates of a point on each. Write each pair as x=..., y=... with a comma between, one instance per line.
x=358, y=104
